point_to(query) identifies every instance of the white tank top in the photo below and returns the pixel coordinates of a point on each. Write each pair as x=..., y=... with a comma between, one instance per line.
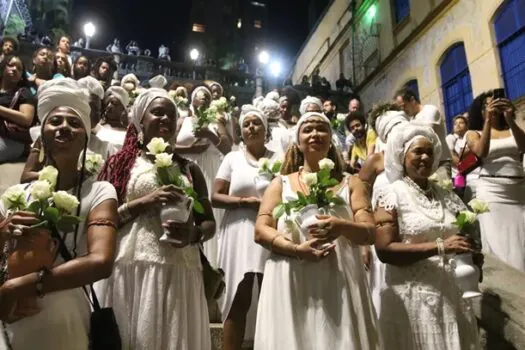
x=503, y=160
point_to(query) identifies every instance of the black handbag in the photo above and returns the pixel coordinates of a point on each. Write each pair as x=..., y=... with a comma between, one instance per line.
x=103, y=333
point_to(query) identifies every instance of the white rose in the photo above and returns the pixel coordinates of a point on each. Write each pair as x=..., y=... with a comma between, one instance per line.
x=213, y=109
x=326, y=163
x=478, y=206
x=94, y=163
x=65, y=201
x=446, y=184
x=264, y=163
x=470, y=217
x=309, y=179
x=341, y=117
x=233, y=99
x=157, y=145
x=15, y=197
x=49, y=174
x=163, y=160
x=186, y=181
x=434, y=178
x=41, y=190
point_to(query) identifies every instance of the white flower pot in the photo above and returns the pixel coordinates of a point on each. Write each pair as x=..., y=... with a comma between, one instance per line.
x=305, y=218
x=175, y=212
x=262, y=181
x=467, y=276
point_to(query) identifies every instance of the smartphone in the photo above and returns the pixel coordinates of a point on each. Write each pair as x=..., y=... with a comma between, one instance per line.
x=499, y=93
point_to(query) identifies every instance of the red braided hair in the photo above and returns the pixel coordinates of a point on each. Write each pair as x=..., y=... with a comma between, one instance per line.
x=117, y=169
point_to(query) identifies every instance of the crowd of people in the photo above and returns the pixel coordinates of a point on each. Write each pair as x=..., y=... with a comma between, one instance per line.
x=376, y=271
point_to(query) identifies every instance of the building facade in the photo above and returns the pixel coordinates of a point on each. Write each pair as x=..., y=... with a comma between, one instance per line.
x=448, y=51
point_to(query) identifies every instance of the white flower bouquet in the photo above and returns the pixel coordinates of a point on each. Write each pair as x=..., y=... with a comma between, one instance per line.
x=94, y=162
x=338, y=123
x=181, y=102
x=204, y=117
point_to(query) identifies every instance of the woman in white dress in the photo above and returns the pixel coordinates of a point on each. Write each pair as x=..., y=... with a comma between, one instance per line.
x=384, y=118
x=157, y=287
x=240, y=257
x=314, y=295
x=62, y=320
x=421, y=305
x=206, y=148
x=502, y=179
x=114, y=119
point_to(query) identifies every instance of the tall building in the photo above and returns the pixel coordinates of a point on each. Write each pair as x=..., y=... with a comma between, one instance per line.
x=432, y=46
x=227, y=31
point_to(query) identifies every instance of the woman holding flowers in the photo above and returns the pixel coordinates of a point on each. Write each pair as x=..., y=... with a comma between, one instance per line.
x=314, y=293
x=203, y=138
x=422, y=305
x=156, y=288
x=235, y=191
x=61, y=320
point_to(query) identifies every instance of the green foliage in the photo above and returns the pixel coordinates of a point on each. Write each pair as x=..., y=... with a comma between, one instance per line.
x=15, y=25
x=173, y=176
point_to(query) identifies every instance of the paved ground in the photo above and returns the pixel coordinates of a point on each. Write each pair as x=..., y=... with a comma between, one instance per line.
x=10, y=175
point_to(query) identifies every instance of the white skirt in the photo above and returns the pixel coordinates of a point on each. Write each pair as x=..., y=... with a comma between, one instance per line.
x=240, y=255
x=376, y=280
x=63, y=324
x=316, y=305
x=158, y=306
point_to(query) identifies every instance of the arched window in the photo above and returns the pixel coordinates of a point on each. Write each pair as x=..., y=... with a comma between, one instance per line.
x=509, y=25
x=455, y=82
x=412, y=85
x=401, y=10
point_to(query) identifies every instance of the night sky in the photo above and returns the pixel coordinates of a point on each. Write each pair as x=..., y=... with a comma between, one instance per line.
x=155, y=22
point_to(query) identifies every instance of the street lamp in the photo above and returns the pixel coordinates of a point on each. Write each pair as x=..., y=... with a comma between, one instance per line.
x=264, y=57
x=194, y=55
x=89, y=31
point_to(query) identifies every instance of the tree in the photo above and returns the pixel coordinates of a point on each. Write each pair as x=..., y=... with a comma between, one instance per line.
x=15, y=25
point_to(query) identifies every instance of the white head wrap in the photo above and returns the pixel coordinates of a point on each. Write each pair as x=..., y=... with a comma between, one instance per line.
x=130, y=78
x=282, y=99
x=92, y=85
x=248, y=110
x=308, y=101
x=200, y=88
x=257, y=101
x=269, y=107
x=64, y=92
x=181, y=88
x=120, y=93
x=158, y=81
x=386, y=122
x=273, y=95
x=142, y=103
x=214, y=83
x=398, y=144
x=306, y=117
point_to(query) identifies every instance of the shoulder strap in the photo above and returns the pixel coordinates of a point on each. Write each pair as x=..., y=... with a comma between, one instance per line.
x=15, y=99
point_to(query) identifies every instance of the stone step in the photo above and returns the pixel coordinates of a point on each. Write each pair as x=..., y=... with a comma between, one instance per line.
x=216, y=330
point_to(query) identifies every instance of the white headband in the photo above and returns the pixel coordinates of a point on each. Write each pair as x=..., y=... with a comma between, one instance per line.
x=386, y=122
x=142, y=103
x=308, y=101
x=247, y=110
x=306, y=117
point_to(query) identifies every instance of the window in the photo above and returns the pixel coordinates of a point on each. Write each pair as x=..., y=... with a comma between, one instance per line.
x=257, y=24
x=412, y=86
x=199, y=28
x=509, y=26
x=456, y=85
x=401, y=9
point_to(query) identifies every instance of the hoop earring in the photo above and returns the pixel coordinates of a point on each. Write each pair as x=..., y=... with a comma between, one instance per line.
x=140, y=137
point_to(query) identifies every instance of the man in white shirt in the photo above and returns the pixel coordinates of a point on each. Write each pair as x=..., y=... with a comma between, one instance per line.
x=428, y=115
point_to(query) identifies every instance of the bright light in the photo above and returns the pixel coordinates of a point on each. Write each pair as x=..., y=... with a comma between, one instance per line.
x=239, y=23
x=89, y=29
x=194, y=54
x=372, y=11
x=276, y=68
x=264, y=57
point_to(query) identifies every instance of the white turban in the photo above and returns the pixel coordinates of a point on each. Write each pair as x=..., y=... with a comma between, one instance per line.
x=273, y=95
x=200, y=88
x=92, y=85
x=386, y=122
x=183, y=89
x=130, y=78
x=269, y=107
x=142, y=103
x=398, y=144
x=248, y=110
x=158, y=81
x=308, y=101
x=282, y=99
x=306, y=117
x=257, y=101
x=217, y=84
x=64, y=92
x=120, y=93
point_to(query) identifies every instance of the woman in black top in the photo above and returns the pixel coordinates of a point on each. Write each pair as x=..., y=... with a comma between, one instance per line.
x=17, y=109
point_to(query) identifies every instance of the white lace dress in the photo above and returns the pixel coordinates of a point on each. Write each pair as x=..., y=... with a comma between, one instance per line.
x=209, y=161
x=316, y=305
x=421, y=304
x=156, y=290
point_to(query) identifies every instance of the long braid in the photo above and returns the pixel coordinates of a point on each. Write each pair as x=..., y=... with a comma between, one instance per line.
x=117, y=169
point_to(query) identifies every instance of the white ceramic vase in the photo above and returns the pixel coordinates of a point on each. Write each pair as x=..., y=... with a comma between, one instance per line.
x=305, y=218
x=179, y=212
x=262, y=181
x=467, y=276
